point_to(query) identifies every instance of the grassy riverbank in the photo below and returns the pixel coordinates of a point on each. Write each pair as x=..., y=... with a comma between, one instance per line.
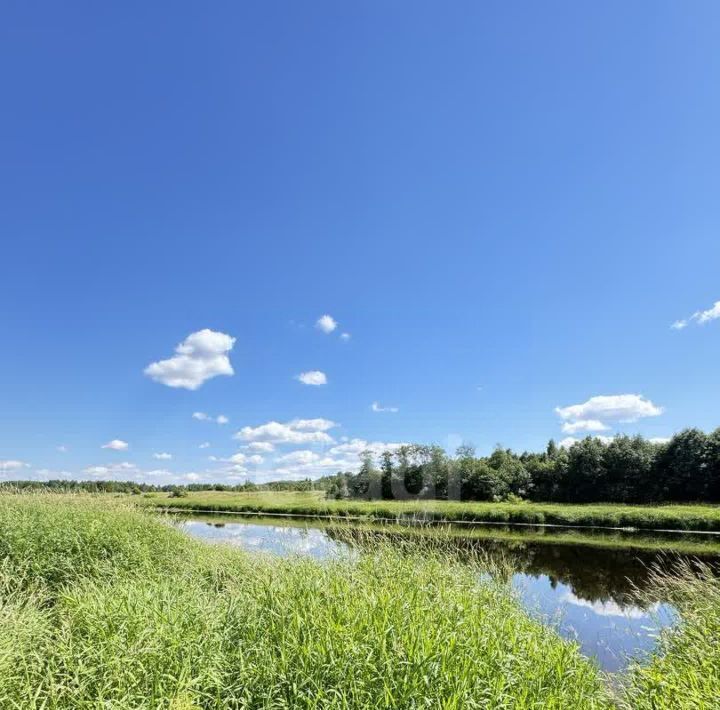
x=105, y=605
x=662, y=517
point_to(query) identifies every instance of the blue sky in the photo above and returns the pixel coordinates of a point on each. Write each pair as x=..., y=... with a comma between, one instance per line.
x=505, y=205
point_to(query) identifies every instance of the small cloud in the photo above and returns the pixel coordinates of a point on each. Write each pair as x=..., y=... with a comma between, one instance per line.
x=584, y=425
x=297, y=431
x=163, y=456
x=62, y=449
x=699, y=317
x=12, y=465
x=568, y=441
x=345, y=336
x=379, y=408
x=203, y=417
x=598, y=411
x=326, y=323
x=713, y=313
x=312, y=377
x=200, y=357
x=659, y=440
x=116, y=445
x=204, y=445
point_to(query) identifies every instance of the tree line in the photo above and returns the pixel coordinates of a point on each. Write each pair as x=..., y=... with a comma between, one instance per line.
x=625, y=470
x=628, y=469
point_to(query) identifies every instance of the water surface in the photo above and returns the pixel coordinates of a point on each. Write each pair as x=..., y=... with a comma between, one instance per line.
x=585, y=584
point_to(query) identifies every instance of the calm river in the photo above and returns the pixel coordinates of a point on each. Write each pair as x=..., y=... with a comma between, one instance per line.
x=582, y=583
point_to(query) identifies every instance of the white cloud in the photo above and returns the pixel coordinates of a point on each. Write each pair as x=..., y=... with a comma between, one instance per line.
x=712, y=313
x=584, y=425
x=297, y=431
x=204, y=445
x=318, y=424
x=163, y=456
x=263, y=446
x=203, y=417
x=623, y=408
x=116, y=445
x=191, y=477
x=355, y=447
x=304, y=463
x=568, y=441
x=312, y=377
x=610, y=607
x=114, y=470
x=379, y=408
x=345, y=336
x=12, y=465
x=303, y=456
x=659, y=439
x=62, y=449
x=255, y=459
x=200, y=357
x=326, y=323
x=699, y=317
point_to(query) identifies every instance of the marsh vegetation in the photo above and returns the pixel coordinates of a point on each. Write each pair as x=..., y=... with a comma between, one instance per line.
x=103, y=604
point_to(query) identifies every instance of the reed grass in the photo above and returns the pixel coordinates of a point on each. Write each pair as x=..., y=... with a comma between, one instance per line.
x=104, y=606
x=684, y=671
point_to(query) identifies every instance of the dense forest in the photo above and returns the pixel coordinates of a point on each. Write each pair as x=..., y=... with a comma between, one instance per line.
x=623, y=470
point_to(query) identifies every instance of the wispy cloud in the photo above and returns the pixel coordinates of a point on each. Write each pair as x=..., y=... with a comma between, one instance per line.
x=12, y=465
x=203, y=417
x=116, y=445
x=699, y=317
x=376, y=407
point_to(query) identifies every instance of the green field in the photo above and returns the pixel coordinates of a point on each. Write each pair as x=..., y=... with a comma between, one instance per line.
x=103, y=604
x=660, y=517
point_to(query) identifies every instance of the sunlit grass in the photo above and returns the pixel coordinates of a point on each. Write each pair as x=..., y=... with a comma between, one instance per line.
x=665, y=517
x=105, y=606
x=684, y=672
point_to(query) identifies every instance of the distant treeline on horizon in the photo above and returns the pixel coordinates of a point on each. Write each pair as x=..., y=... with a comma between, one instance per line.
x=624, y=470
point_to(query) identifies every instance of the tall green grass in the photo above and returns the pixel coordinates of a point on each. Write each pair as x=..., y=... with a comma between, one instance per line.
x=684, y=672
x=102, y=606
x=648, y=517
x=106, y=606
